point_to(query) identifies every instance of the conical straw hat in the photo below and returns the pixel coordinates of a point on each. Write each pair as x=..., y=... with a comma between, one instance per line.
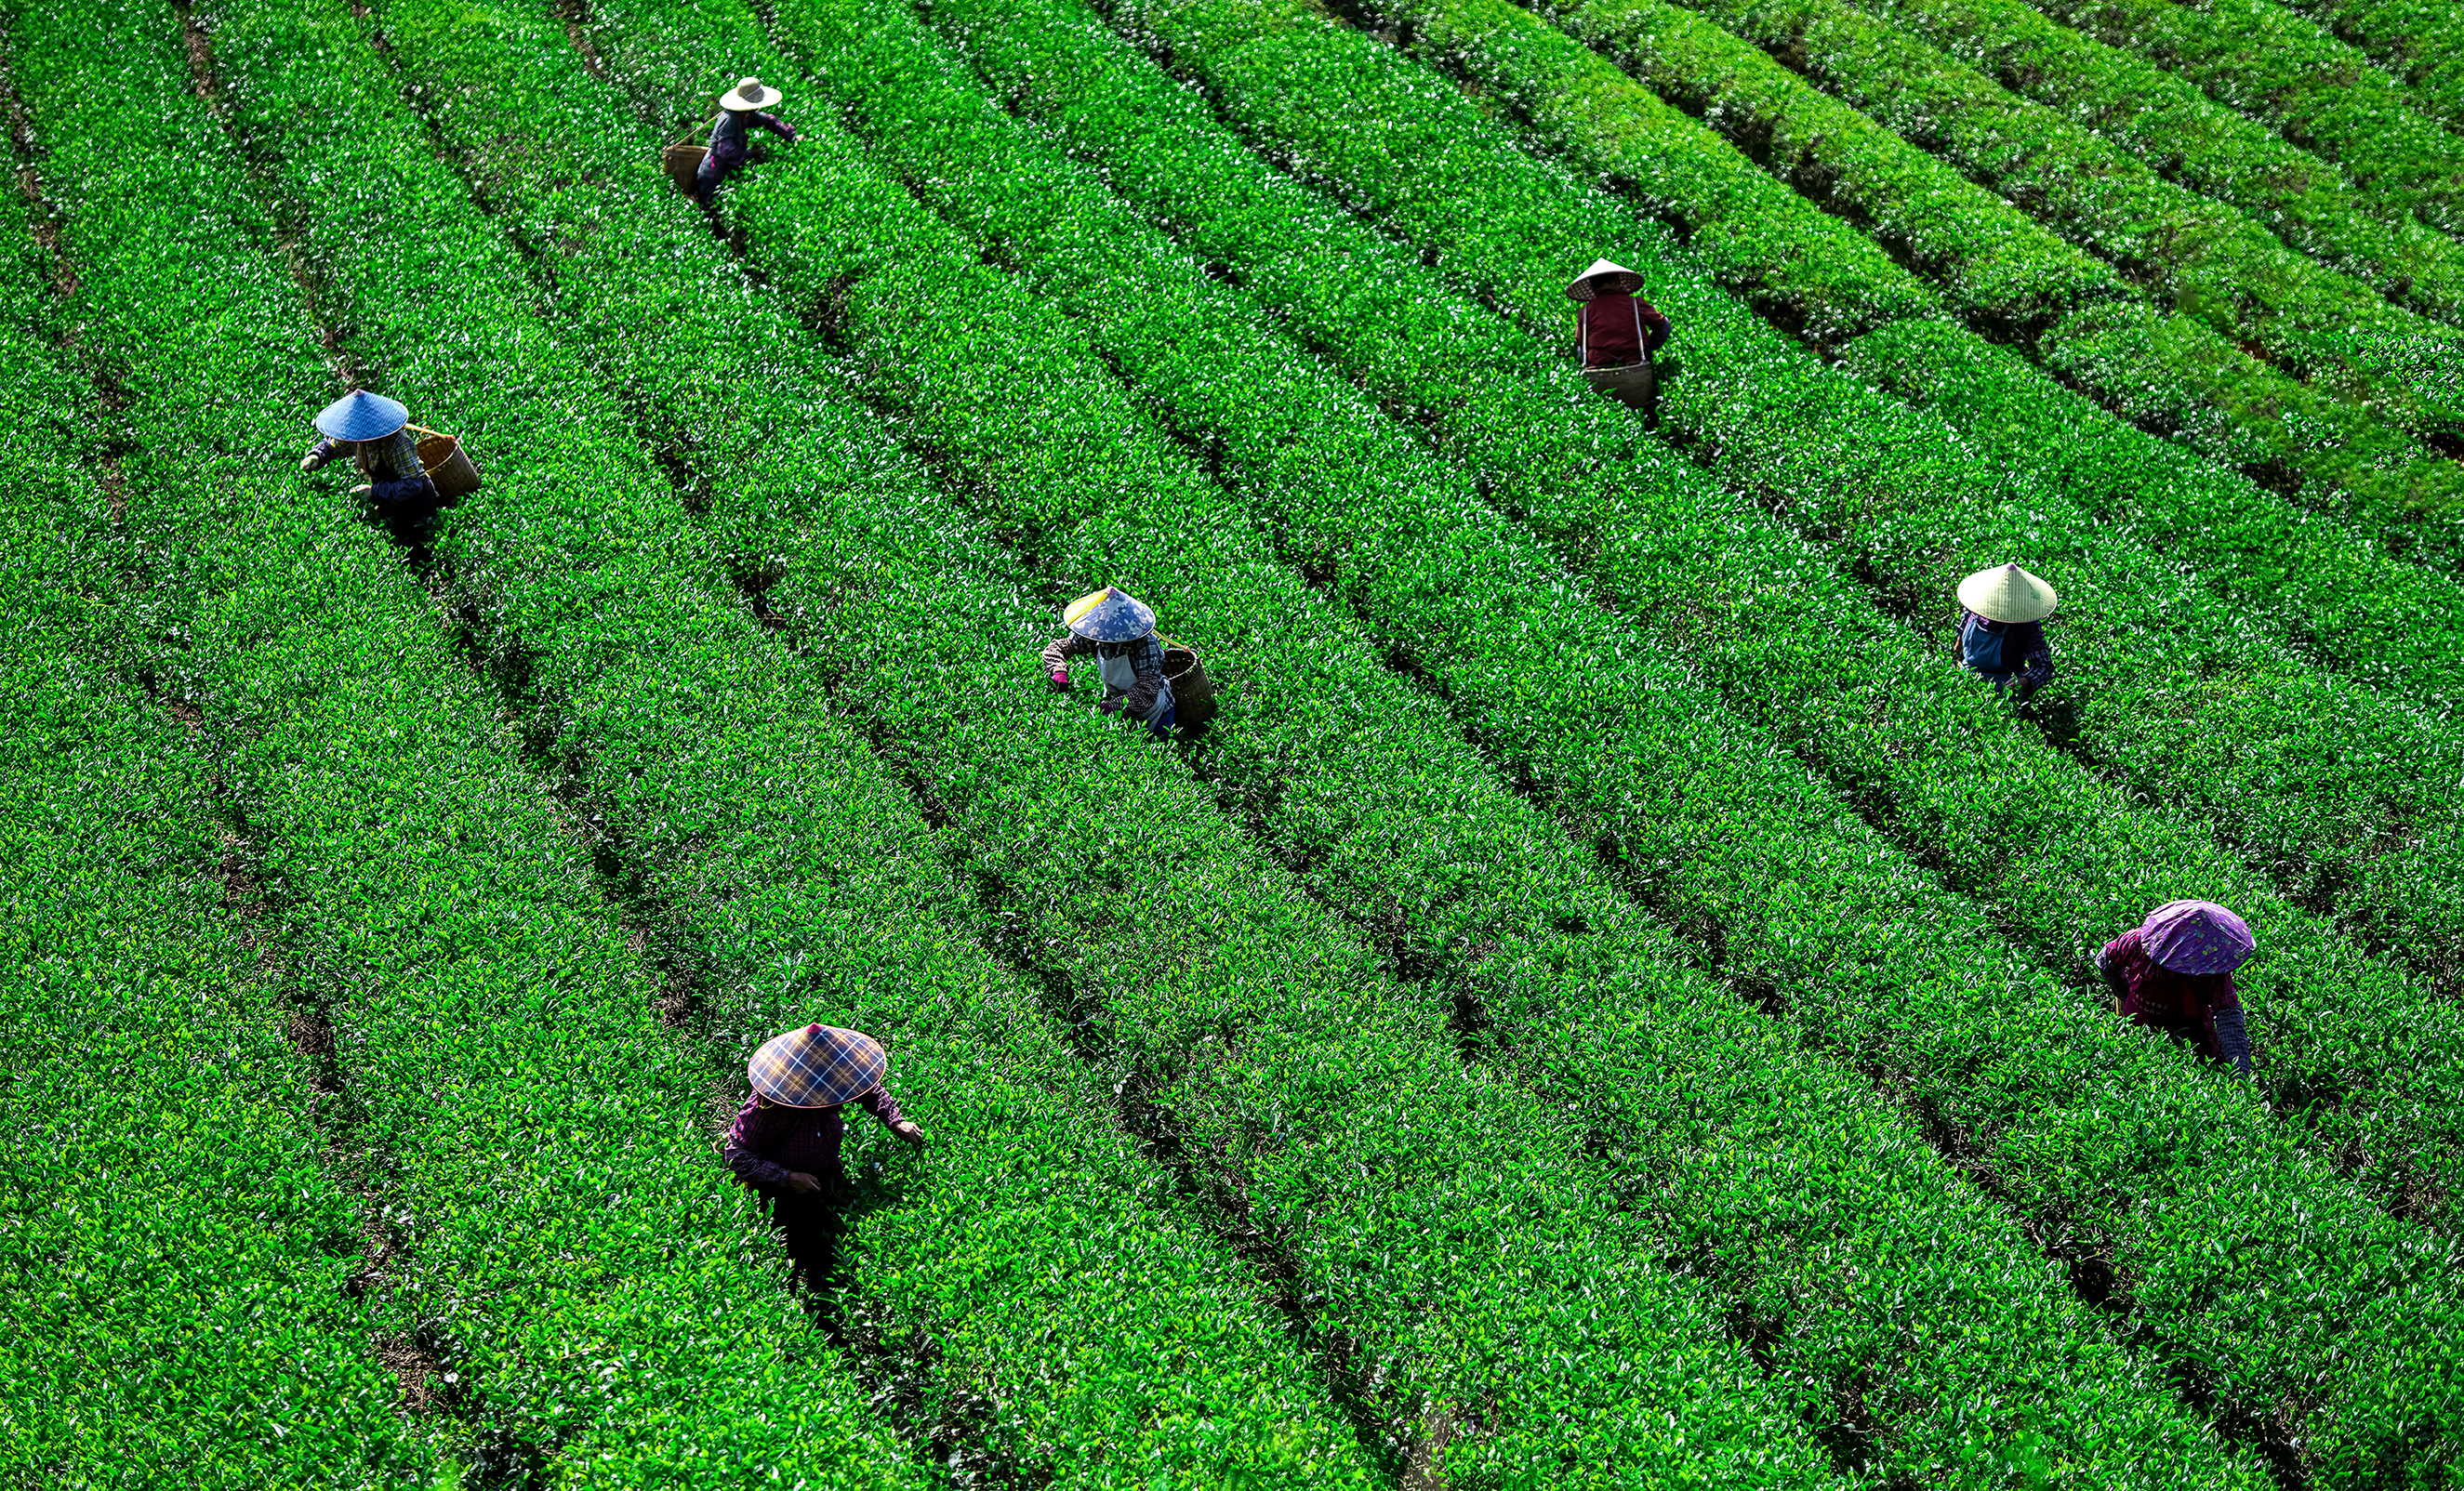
x=750, y=92
x=1108, y=615
x=362, y=415
x=817, y=1066
x=1623, y=280
x=2008, y=593
x=2196, y=937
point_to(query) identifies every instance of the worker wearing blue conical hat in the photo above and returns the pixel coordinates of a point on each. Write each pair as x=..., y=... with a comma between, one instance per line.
x=784, y=1142
x=1118, y=631
x=376, y=431
x=741, y=109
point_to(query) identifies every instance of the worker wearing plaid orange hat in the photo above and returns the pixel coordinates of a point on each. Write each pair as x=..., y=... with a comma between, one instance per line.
x=785, y=1140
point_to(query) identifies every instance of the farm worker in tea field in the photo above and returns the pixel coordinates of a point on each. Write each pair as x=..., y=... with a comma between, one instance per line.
x=785, y=1139
x=376, y=431
x=2174, y=973
x=2001, y=628
x=1119, y=631
x=739, y=111
x=1616, y=331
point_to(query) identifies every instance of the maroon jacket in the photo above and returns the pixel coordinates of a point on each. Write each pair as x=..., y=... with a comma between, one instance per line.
x=2203, y=1009
x=1618, y=329
x=769, y=1140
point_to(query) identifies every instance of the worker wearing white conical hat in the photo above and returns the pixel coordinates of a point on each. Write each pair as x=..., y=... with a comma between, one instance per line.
x=2002, y=612
x=376, y=431
x=741, y=109
x=1118, y=631
x=1616, y=334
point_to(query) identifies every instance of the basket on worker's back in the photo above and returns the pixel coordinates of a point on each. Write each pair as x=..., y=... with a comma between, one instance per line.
x=1193, y=692
x=447, y=465
x=682, y=162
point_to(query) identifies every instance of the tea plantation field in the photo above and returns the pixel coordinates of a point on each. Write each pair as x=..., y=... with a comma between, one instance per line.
x=1608, y=1003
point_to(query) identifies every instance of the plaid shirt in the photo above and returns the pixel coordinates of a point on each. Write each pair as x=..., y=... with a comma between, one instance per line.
x=395, y=457
x=1146, y=657
x=769, y=1140
x=2025, y=652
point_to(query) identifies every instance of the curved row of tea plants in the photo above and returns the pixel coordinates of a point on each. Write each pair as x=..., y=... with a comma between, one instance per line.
x=2273, y=65
x=173, y=1258
x=2338, y=597
x=532, y=1129
x=2367, y=233
x=1396, y=831
x=1129, y=303
x=970, y=686
x=2420, y=42
x=2160, y=119
x=2162, y=721
x=2177, y=373
x=1751, y=938
x=789, y=878
x=2177, y=686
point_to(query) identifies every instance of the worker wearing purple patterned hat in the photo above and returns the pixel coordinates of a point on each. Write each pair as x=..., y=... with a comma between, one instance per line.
x=374, y=430
x=2174, y=973
x=785, y=1139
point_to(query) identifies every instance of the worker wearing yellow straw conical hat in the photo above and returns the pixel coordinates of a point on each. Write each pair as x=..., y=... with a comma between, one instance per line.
x=1119, y=631
x=741, y=110
x=785, y=1139
x=1616, y=331
x=2001, y=628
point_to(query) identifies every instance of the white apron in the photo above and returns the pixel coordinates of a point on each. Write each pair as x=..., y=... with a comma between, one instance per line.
x=1121, y=674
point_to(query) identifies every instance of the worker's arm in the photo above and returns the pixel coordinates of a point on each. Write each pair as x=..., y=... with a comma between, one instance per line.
x=2231, y=1033
x=2109, y=963
x=1654, y=326
x=882, y=1105
x=323, y=451
x=2038, y=667
x=776, y=126
x=756, y=1128
x=1058, y=653
x=1148, y=661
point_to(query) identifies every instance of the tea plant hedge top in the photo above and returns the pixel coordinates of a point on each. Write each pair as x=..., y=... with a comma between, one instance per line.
x=376, y=431
x=1119, y=631
x=1615, y=328
x=2001, y=627
x=741, y=110
x=2174, y=973
x=786, y=1138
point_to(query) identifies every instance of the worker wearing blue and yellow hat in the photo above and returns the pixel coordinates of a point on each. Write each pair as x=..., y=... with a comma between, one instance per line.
x=1119, y=631
x=376, y=431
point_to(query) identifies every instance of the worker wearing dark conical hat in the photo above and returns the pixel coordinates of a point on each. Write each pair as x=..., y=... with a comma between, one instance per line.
x=2002, y=613
x=784, y=1142
x=2174, y=973
x=741, y=109
x=376, y=431
x=1119, y=631
x=1616, y=331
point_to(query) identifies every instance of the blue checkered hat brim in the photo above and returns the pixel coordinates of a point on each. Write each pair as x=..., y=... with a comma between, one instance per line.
x=817, y=1066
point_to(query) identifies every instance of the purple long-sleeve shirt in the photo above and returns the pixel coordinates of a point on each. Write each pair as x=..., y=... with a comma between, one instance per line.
x=770, y=1140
